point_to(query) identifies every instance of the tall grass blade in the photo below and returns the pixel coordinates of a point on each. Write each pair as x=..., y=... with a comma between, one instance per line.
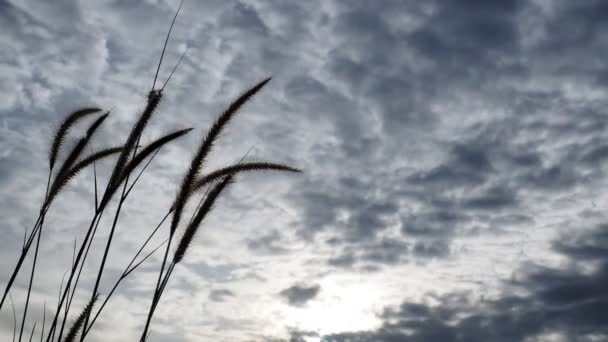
x=130, y=268
x=66, y=172
x=238, y=168
x=154, y=98
x=61, y=182
x=197, y=162
x=31, y=282
x=63, y=130
x=143, y=169
x=32, y=333
x=193, y=227
x=73, y=332
x=162, y=55
x=139, y=158
x=173, y=71
x=10, y=297
x=43, y=320
x=95, y=191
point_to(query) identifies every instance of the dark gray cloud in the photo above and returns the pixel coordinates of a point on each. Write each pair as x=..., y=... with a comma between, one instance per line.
x=432, y=249
x=568, y=302
x=300, y=294
x=370, y=255
x=300, y=336
x=270, y=243
x=468, y=165
x=586, y=247
x=220, y=295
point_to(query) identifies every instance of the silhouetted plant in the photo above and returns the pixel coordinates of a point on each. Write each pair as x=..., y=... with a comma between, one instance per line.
x=131, y=157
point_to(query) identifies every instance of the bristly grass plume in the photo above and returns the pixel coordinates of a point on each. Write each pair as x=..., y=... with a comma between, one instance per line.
x=132, y=160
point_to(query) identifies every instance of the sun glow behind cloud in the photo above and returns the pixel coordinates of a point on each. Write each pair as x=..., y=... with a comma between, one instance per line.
x=343, y=305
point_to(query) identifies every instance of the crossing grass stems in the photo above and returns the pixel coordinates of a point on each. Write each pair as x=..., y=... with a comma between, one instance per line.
x=131, y=161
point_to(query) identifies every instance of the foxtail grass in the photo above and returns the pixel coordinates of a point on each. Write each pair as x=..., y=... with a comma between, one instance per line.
x=79, y=322
x=131, y=160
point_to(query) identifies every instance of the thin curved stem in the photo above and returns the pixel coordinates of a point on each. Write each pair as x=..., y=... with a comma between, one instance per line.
x=17, y=267
x=29, y=288
x=72, y=273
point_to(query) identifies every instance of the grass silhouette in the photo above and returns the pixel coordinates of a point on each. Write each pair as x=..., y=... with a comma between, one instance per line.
x=131, y=162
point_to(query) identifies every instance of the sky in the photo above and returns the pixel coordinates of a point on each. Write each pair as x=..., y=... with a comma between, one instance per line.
x=454, y=158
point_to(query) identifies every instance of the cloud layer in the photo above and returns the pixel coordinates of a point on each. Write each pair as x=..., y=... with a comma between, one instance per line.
x=454, y=159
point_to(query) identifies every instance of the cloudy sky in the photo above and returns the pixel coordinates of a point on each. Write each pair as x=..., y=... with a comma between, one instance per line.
x=454, y=156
